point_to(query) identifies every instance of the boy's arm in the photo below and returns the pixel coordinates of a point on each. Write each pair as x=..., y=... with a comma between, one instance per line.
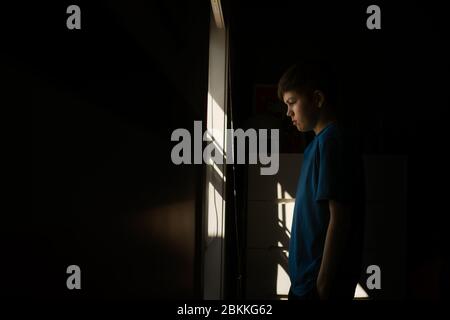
x=337, y=232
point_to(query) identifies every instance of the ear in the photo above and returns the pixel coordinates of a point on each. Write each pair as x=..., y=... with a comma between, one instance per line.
x=319, y=98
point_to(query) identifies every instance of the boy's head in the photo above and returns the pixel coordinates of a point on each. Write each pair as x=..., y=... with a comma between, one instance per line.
x=308, y=90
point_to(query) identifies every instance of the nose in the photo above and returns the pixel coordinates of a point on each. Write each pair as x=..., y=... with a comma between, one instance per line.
x=289, y=112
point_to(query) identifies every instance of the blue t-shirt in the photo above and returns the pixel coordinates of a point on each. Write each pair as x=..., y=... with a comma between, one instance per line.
x=328, y=172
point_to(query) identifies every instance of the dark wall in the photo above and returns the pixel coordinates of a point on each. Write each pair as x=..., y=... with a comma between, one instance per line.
x=104, y=101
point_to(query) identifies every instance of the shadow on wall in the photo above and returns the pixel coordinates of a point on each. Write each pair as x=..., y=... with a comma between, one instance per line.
x=270, y=209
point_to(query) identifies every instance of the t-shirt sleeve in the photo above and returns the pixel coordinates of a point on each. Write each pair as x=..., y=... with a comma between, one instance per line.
x=330, y=178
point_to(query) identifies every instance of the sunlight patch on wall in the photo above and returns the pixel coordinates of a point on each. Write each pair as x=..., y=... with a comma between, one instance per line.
x=360, y=293
x=283, y=281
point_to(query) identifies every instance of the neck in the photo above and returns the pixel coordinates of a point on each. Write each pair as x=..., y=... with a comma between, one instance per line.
x=324, y=119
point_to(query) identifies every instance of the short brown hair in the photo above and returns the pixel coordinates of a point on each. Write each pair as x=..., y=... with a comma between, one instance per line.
x=305, y=77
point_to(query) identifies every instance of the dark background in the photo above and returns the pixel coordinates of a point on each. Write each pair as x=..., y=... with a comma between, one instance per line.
x=99, y=106
x=394, y=92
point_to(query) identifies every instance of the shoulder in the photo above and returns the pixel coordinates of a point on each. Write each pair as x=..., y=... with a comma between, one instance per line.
x=331, y=137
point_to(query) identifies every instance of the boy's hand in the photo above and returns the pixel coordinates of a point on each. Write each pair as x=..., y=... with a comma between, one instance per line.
x=322, y=291
x=334, y=244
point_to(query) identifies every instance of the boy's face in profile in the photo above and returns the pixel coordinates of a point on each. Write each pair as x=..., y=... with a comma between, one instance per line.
x=302, y=110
